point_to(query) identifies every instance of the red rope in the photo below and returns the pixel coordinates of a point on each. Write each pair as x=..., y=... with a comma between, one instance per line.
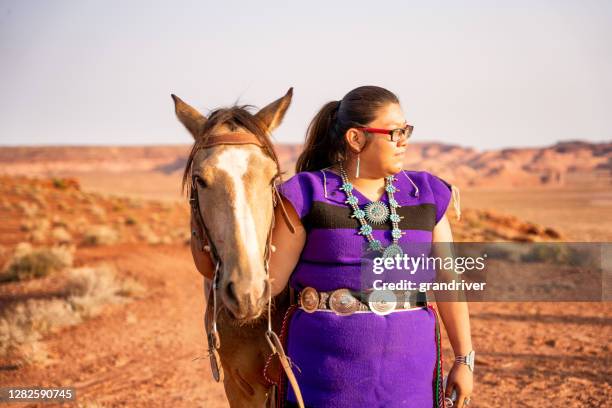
x=282, y=379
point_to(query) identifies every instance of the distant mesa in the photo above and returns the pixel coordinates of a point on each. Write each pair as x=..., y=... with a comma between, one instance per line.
x=564, y=163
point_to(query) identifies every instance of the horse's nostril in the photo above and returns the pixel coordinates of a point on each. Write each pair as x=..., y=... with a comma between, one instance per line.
x=231, y=292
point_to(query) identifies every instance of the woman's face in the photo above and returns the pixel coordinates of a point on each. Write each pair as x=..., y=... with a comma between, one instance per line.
x=381, y=157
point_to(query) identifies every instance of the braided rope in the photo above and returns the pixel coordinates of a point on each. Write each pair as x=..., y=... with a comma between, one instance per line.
x=282, y=381
x=438, y=370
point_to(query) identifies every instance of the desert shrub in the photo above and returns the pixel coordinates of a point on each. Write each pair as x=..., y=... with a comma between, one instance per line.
x=135, y=203
x=98, y=211
x=58, y=221
x=28, y=209
x=28, y=263
x=91, y=288
x=23, y=324
x=60, y=235
x=38, y=236
x=38, y=228
x=100, y=235
x=59, y=183
x=542, y=253
x=181, y=235
x=561, y=255
x=148, y=235
x=86, y=289
x=22, y=248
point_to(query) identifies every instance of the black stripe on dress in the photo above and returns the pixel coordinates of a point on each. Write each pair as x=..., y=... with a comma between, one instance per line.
x=328, y=216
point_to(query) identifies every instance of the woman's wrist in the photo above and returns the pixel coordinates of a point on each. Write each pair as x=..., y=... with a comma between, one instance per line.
x=467, y=359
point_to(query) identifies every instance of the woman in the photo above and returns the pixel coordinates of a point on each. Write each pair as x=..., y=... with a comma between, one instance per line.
x=350, y=350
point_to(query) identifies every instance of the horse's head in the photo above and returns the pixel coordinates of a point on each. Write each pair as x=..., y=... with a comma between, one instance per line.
x=233, y=183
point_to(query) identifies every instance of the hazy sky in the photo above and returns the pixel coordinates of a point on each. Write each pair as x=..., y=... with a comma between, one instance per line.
x=485, y=74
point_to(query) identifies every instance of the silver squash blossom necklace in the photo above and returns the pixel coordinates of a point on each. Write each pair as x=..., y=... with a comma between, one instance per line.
x=376, y=213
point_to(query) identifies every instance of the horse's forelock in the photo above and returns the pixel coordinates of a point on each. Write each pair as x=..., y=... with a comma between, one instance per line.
x=234, y=117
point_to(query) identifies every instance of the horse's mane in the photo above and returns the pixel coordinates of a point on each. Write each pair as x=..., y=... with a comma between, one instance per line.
x=235, y=117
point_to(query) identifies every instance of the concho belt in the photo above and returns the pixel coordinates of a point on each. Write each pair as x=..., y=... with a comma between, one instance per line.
x=345, y=302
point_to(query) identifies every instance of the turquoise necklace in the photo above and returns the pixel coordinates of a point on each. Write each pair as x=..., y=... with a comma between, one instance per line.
x=376, y=213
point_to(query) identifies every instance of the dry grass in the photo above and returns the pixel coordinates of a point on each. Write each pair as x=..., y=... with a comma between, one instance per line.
x=98, y=211
x=100, y=235
x=28, y=209
x=29, y=263
x=60, y=235
x=38, y=229
x=129, y=220
x=86, y=291
x=90, y=288
x=148, y=235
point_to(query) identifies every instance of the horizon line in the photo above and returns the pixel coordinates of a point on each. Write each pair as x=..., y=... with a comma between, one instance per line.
x=432, y=142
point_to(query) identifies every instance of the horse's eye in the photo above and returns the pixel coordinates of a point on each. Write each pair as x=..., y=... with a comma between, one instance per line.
x=201, y=183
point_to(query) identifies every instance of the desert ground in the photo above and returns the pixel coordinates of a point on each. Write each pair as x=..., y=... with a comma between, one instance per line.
x=143, y=345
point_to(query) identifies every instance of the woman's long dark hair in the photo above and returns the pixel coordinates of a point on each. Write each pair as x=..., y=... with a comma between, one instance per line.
x=325, y=143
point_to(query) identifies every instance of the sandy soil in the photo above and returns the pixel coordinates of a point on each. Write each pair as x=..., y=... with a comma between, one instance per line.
x=584, y=214
x=145, y=353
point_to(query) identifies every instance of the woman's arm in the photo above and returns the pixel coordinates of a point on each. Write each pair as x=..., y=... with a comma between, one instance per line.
x=288, y=247
x=454, y=314
x=456, y=319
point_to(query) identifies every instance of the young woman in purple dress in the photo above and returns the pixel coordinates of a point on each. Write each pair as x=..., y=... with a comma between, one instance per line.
x=350, y=190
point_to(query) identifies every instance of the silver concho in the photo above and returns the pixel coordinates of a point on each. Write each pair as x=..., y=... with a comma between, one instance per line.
x=309, y=299
x=376, y=212
x=382, y=302
x=343, y=303
x=392, y=250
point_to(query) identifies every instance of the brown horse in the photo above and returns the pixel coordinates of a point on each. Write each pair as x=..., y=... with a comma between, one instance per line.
x=236, y=205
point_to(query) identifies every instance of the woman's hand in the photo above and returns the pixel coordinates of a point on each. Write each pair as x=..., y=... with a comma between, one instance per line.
x=461, y=379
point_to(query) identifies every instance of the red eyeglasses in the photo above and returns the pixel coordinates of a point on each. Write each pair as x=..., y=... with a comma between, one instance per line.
x=396, y=134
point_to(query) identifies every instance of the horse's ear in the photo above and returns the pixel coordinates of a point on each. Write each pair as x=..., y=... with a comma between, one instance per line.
x=192, y=119
x=272, y=115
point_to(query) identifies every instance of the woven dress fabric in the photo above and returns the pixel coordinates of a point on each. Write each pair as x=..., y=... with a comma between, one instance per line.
x=361, y=360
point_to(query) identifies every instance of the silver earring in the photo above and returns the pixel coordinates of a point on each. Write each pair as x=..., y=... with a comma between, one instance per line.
x=357, y=170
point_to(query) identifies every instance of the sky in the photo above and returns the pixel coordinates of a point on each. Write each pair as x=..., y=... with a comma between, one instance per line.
x=483, y=74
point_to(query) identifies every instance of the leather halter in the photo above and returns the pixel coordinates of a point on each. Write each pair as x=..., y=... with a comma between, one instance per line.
x=235, y=138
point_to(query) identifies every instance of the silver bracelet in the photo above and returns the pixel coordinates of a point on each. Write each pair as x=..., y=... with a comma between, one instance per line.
x=468, y=360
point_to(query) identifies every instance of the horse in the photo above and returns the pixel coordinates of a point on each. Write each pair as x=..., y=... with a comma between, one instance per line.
x=231, y=172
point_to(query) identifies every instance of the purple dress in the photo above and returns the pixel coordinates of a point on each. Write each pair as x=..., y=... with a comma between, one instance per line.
x=361, y=360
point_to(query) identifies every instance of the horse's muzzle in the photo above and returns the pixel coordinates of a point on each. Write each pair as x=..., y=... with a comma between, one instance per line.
x=245, y=302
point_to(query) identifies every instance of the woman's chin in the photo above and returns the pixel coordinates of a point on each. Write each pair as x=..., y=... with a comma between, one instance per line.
x=397, y=168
